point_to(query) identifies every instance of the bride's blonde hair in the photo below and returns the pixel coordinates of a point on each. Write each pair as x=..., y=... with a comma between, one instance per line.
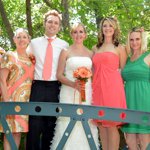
x=75, y=25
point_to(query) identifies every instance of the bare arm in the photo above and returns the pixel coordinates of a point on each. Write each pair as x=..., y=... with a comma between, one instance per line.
x=61, y=68
x=147, y=60
x=3, y=84
x=122, y=56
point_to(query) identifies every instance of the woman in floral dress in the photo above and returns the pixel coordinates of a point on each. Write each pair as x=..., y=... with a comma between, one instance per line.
x=15, y=79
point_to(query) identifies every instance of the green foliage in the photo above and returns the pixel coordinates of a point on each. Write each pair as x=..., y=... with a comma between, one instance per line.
x=129, y=13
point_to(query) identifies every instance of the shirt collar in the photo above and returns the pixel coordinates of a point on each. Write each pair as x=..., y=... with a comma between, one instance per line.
x=53, y=37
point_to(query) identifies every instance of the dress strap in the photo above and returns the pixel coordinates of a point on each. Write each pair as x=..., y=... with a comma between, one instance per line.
x=141, y=59
x=145, y=54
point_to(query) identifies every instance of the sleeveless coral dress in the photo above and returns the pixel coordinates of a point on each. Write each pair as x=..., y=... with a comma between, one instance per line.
x=108, y=88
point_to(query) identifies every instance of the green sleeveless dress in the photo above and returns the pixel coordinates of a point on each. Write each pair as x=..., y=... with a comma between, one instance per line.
x=136, y=75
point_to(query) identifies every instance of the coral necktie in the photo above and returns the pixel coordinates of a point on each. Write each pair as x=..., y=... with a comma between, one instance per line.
x=47, y=69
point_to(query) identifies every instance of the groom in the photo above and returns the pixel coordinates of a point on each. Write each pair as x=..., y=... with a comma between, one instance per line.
x=45, y=86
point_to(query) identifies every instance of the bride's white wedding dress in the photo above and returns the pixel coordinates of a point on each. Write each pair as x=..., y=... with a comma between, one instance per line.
x=77, y=139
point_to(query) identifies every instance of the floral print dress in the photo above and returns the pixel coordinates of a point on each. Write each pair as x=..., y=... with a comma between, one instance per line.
x=19, y=86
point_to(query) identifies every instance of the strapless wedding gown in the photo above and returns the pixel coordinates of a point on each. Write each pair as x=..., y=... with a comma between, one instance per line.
x=77, y=139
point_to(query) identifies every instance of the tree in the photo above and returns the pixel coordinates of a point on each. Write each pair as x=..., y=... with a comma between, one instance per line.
x=29, y=15
x=6, y=22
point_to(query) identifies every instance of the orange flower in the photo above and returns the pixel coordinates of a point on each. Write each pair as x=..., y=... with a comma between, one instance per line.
x=82, y=74
x=76, y=74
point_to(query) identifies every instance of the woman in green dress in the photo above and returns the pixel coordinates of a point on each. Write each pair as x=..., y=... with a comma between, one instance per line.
x=136, y=75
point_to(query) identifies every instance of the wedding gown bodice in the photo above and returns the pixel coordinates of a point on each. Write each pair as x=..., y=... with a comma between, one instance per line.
x=73, y=96
x=73, y=63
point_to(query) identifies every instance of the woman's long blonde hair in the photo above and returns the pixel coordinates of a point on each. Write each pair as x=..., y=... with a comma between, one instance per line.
x=143, y=39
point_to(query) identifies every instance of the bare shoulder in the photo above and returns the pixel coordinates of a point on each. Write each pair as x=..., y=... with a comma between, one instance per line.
x=64, y=52
x=148, y=56
x=90, y=52
x=67, y=52
x=121, y=47
x=94, y=48
x=147, y=59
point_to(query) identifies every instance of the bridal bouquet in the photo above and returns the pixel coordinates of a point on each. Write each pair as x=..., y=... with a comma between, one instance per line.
x=82, y=74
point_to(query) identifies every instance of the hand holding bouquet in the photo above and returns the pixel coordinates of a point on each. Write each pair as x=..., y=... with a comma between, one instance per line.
x=82, y=74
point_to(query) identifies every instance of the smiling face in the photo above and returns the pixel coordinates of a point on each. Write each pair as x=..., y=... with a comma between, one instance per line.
x=135, y=41
x=52, y=25
x=78, y=34
x=107, y=29
x=21, y=39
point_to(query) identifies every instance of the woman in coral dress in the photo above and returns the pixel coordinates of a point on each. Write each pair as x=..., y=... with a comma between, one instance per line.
x=77, y=55
x=108, y=89
x=15, y=79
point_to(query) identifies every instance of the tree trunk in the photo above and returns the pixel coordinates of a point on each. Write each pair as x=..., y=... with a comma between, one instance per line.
x=6, y=23
x=65, y=14
x=28, y=15
x=47, y=2
x=98, y=18
x=50, y=4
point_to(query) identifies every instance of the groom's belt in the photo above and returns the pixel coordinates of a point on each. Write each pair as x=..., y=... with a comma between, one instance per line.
x=41, y=82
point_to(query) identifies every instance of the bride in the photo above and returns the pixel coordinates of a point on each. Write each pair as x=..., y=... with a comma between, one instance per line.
x=77, y=55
